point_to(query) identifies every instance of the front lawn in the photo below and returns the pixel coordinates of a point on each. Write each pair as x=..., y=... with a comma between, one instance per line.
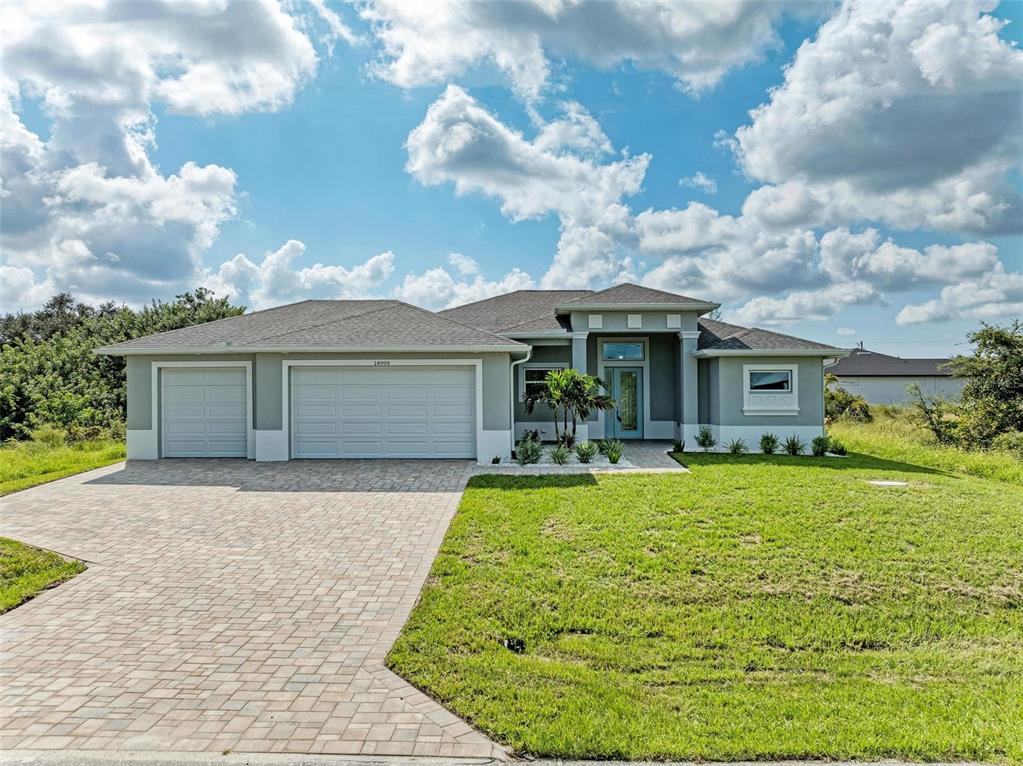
x=25, y=464
x=25, y=571
x=757, y=608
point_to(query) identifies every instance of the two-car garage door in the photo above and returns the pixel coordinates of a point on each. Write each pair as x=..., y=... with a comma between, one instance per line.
x=400, y=411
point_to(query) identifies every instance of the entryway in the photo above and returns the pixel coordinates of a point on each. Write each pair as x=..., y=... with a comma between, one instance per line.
x=626, y=388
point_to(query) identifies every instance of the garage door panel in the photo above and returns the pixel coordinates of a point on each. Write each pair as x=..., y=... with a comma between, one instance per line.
x=225, y=376
x=226, y=411
x=184, y=410
x=316, y=392
x=311, y=375
x=400, y=411
x=233, y=394
x=204, y=412
x=176, y=392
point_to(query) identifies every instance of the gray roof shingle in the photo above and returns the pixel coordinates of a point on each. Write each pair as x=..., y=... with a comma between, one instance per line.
x=633, y=295
x=721, y=336
x=512, y=312
x=864, y=363
x=323, y=324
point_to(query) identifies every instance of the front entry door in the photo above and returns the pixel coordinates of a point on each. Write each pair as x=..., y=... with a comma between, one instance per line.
x=626, y=420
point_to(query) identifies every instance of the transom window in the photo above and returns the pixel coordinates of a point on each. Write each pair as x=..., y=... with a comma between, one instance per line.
x=770, y=381
x=533, y=378
x=622, y=350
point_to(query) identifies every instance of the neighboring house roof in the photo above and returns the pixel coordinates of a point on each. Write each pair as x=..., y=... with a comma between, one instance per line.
x=323, y=325
x=870, y=364
x=514, y=310
x=628, y=295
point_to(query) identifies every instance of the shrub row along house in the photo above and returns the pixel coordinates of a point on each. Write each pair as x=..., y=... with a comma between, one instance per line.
x=382, y=378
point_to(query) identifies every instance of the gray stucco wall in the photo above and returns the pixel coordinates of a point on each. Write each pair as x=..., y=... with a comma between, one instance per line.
x=140, y=383
x=663, y=367
x=617, y=321
x=267, y=384
x=726, y=392
x=892, y=390
x=541, y=354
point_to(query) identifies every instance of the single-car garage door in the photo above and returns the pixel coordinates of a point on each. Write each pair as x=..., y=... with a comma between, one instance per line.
x=204, y=412
x=401, y=411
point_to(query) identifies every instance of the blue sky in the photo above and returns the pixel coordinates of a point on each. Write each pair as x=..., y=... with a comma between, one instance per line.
x=321, y=159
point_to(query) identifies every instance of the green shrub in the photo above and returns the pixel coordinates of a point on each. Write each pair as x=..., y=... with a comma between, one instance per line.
x=614, y=451
x=560, y=454
x=705, y=438
x=528, y=451
x=601, y=446
x=678, y=446
x=835, y=447
x=49, y=436
x=769, y=444
x=1010, y=441
x=738, y=447
x=794, y=445
x=495, y=459
x=819, y=446
x=585, y=451
x=839, y=403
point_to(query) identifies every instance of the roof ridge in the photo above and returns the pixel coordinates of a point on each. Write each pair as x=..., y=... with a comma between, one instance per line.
x=322, y=324
x=460, y=324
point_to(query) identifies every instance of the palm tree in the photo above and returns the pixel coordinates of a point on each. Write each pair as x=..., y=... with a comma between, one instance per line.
x=585, y=394
x=550, y=394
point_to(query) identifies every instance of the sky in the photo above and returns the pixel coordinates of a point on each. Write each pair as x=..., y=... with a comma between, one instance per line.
x=845, y=172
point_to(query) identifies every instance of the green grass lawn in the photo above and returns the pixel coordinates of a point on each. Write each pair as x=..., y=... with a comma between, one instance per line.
x=24, y=571
x=25, y=464
x=757, y=608
x=899, y=438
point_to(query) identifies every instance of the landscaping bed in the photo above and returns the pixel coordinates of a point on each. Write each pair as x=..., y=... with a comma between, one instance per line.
x=759, y=607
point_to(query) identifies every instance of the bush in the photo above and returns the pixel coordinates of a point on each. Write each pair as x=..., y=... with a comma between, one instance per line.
x=585, y=451
x=678, y=446
x=738, y=447
x=560, y=454
x=705, y=438
x=769, y=444
x=839, y=403
x=601, y=446
x=1011, y=441
x=528, y=451
x=614, y=451
x=794, y=445
x=819, y=446
x=566, y=440
x=835, y=447
x=495, y=460
x=49, y=436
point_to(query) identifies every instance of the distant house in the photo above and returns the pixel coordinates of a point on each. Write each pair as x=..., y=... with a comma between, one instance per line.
x=882, y=379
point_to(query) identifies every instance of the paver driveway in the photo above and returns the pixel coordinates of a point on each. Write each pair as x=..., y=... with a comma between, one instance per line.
x=229, y=605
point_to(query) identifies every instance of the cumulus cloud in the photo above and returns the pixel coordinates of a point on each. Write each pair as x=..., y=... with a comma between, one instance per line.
x=86, y=209
x=801, y=305
x=701, y=181
x=276, y=280
x=995, y=295
x=437, y=288
x=697, y=43
x=878, y=119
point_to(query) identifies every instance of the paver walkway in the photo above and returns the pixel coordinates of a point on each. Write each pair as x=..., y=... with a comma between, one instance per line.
x=229, y=605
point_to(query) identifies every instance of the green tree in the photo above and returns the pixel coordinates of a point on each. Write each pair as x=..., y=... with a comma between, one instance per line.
x=991, y=402
x=571, y=395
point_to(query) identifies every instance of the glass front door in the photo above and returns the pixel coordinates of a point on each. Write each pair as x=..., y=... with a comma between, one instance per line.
x=626, y=420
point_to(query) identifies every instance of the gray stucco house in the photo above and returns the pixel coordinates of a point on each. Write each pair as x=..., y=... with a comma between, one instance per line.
x=882, y=379
x=381, y=378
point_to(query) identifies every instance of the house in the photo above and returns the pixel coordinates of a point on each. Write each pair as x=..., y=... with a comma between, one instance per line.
x=382, y=378
x=882, y=379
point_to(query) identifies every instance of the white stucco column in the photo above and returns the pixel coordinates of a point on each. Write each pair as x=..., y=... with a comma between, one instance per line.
x=690, y=388
x=579, y=363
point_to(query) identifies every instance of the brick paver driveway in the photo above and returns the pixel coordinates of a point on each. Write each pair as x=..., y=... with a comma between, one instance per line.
x=229, y=605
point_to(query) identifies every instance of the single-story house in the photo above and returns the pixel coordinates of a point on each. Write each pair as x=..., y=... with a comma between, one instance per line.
x=382, y=378
x=882, y=379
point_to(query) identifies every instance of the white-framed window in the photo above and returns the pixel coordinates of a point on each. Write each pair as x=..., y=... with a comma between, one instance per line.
x=633, y=321
x=622, y=350
x=595, y=321
x=532, y=376
x=770, y=389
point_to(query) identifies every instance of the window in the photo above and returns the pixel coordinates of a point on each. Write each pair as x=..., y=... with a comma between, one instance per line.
x=620, y=351
x=770, y=380
x=532, y=378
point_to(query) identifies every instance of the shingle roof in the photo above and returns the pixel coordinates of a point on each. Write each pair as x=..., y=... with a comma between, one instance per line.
x=868, y=364
x=634, y=295
x=721, y=336
x=323, y=324
x=514, y=311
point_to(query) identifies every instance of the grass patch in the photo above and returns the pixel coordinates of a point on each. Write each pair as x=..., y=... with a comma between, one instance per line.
x=26, y=464
x=756, y=608
x=26, y=570
x=897, y=437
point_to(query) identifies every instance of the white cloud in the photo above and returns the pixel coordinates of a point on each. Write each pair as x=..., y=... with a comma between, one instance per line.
x=845, y=332
x=996, y=295
x=878, y=119
x=801, y=305
x=696, y=42
x=700, y=181
x=436, y=288
x=275, y=280
x=463, y=264
x=86, y=209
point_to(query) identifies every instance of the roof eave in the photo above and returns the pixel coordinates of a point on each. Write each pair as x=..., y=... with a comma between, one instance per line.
x=827, y=353
x=701, y=308
x=208, y=350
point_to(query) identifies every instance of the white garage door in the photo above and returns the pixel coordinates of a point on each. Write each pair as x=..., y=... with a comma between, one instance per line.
x=383, y=412
x=204, y=412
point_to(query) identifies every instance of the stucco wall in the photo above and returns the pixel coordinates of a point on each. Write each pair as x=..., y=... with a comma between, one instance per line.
x=541, y=355
x=617, y=321
x=892, y=390
x=726, y=392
